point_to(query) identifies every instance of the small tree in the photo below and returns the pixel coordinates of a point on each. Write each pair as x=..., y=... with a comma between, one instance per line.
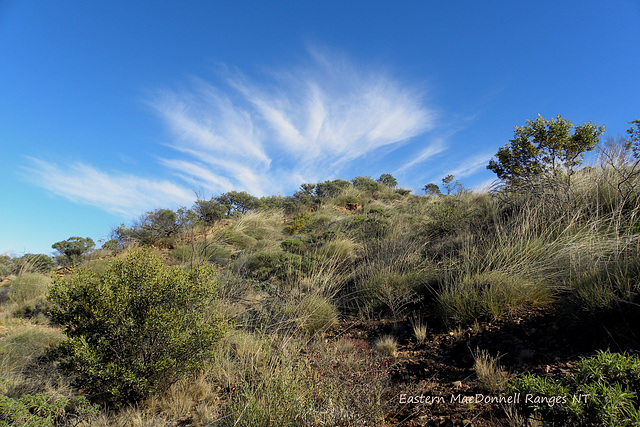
x=209, y=210
x=545, y=147
x=238, y=201
x=330, y=188
x=366, y=184
x=136, y=329
x=450, y=185
x=432, y=189
x=74, y=247
x=160, y=223
x=388, y=180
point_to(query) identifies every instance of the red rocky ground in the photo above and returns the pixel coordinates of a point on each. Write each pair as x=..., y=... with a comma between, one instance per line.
x=540, y=341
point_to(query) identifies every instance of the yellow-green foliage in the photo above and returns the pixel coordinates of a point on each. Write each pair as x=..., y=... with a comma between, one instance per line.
x=298, y=223
x=138, y=328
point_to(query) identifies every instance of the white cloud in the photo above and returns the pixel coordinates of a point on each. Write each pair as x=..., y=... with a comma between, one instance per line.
x=431, y=150
x=312, y=121
x=122, y=194
x=471, y=165
x=302, y=125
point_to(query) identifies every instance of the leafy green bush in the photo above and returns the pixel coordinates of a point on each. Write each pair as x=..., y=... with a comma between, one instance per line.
x=38, y=410
x=547, y=398
x=298, y=223
x=331, y=188
x=367, y=185
x=607, y=367
x=136, y=329
x=237, y=202
x=209, y=210
x=43, y=410
x=602, y=390
x=293, y=246
x=280, y=265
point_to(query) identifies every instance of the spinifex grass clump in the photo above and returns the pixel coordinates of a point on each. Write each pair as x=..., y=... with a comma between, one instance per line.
x=136, y=329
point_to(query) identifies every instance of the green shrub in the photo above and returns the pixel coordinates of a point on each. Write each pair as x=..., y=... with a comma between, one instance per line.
x=367, y=185
x=280, y=265
x=299, y=223
x=209, y=210
x=138, y=328
x=548, y=398
x=38, y=410
x=602, y=390
x=293, y=246
x=44, y=410
x=607, y=367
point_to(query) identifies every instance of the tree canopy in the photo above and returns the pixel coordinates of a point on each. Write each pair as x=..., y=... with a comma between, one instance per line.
x=74, y=247
x=545, y=147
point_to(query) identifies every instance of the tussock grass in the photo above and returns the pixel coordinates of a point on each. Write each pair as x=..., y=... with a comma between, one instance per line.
x=420, y=330
x=28, y=286
x=489, y=295
x=489, y=372
x=21, y=344
x=340, y=249
x=387, y=345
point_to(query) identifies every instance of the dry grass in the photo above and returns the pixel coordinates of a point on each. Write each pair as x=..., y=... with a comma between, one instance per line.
x=420, y=330
x=387, y=345
x=491, y=376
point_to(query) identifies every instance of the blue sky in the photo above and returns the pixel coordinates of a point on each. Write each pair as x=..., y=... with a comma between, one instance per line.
x=111, y=109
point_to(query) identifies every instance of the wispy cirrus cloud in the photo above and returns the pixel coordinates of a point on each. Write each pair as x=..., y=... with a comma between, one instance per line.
x=263, y=135
x=311, y=122
x=123, y=194
x=437, y=147
x=471, y=165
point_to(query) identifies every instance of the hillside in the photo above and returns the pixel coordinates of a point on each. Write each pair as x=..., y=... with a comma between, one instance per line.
x=350, y=303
